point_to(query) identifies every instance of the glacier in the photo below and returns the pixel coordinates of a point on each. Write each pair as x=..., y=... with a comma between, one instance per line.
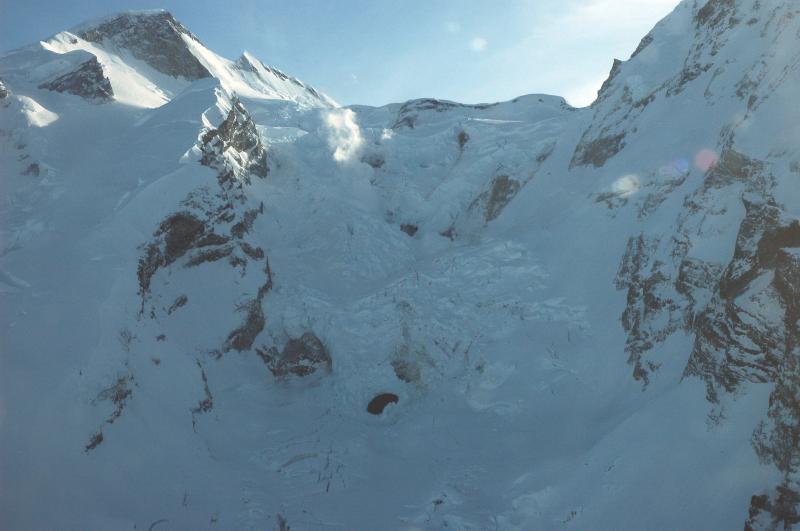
x=228, y=302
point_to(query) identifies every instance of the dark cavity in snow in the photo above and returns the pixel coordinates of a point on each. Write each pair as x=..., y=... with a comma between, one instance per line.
x=379, y=403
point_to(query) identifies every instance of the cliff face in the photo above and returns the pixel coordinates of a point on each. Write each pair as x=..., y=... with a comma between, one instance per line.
x=87, y=81
x=736, y=305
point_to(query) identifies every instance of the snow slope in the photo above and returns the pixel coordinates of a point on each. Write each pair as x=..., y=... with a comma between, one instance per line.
x=588, y=318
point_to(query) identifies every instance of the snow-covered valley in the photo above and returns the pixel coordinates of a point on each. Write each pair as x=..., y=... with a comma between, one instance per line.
x=228, y=302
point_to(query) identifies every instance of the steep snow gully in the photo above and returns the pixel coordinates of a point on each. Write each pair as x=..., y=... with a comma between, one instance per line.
x=228, y=302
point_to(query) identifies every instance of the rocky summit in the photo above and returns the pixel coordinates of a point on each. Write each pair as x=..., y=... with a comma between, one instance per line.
x=229, y=302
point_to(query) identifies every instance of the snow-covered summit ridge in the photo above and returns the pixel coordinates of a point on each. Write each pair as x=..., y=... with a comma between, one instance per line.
x=139, y=20
x=148, y=57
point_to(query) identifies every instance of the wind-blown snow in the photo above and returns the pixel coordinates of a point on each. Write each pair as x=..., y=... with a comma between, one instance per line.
x=344, y=135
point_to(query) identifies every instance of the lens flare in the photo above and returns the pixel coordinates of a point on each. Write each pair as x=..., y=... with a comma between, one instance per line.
x=626, y=185
x=705, y=159
x=681, y=165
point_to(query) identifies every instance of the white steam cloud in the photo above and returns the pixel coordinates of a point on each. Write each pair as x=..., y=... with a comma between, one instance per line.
x=344, y=135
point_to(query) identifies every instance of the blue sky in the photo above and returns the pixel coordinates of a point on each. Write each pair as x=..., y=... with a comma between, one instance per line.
x=380, y=51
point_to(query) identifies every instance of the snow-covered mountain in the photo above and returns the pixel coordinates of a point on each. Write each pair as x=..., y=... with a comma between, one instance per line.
x=230, y=303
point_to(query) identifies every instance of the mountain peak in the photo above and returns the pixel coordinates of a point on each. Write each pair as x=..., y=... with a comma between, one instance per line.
x=132, y=16
x=126, y=20
x=153, y=36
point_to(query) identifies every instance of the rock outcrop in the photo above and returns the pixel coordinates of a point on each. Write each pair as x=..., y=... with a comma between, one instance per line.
x=300, y=356
x=88, y=81
x=235, y=148
x=153, y=37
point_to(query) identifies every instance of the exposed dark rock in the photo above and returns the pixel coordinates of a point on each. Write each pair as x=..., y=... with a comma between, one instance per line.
x=431, y=104
x=409, y=113
x=615, y=68
x=449, y=233
x=744, y=266
x=199, y=229
x=243, y=227
x=209, y=256
x=409, y=228
x=4, y=90
x=256, y=253
x=238, y=138
x=205, y=404
x=733, y=342
x=787, y=283
x=644, y=43
x=729, y=309
x=651, y=314
x=155, y=38
x=596, y=152
x=118, y=394
x=662, y=192
x=237, y=262
x=88, y=81
x=174, y=237
x=179, y=303
x=211, y=239
x=644, y=102
x=180, y=233
x=148, y=265
x=734, y=167
x=774, y=513
x=238, y=129
x=300, y=356
x=695, y=274
x=94, y=442
x=243, y=337
x=689, y=73
x=668, y=290
x=405, y=121
x=502, y=191
x=738, y=339
x=379, y=402
x=462, y=138
x=612, y=199
x=497, y=194
x=777, y=439
x=715, y=12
